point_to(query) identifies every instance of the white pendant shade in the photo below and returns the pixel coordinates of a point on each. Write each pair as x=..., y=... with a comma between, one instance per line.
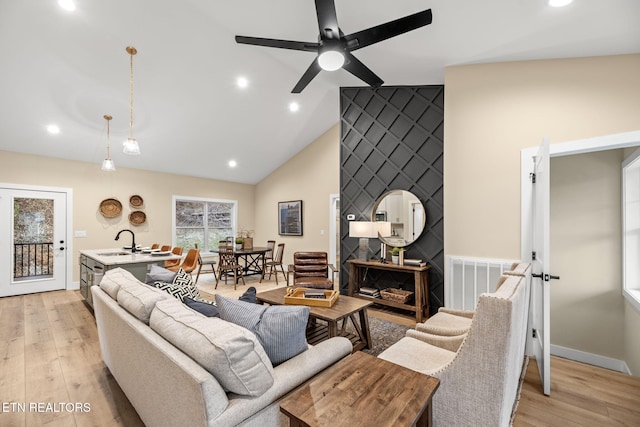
x=130, y=146
x=108, y=165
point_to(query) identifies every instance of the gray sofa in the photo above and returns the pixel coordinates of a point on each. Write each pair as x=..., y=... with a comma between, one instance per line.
x=167, y=387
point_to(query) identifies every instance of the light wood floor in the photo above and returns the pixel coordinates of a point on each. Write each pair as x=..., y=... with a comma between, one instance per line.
x=49, y=354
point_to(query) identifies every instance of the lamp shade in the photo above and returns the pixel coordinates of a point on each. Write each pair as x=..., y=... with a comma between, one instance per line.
x=363, y=229
x=384, y=228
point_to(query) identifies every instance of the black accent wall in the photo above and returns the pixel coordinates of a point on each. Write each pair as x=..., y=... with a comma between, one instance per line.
x=392, y=139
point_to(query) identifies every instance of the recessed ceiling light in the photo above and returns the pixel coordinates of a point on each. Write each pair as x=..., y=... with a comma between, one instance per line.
x=54, y=129
x=559, y=3
x=242, y=82
x=293, y=107
x=67, y=5
x=232, y=163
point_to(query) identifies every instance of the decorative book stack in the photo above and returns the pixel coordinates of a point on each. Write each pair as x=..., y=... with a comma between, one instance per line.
x=414, y=262
x=369, y=292
x=315, y=293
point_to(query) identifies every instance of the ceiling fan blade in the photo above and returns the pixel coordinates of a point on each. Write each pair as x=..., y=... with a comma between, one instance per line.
x=281, y=44
x=327, y=19
x=358, y=69
x=308, y=75
x=386, y=31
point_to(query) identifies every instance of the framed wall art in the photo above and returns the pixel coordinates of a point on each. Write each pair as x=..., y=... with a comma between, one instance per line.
x=290, y=218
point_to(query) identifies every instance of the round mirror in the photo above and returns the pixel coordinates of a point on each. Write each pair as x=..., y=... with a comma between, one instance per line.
x=404, y=212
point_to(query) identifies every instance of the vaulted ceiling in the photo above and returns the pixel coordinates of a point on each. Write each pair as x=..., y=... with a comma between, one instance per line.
x=190, y=117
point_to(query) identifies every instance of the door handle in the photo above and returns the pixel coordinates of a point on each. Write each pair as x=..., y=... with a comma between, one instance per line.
x=61, y=248
x=545, y=277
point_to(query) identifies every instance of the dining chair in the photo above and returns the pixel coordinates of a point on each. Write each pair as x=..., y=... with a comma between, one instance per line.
x=273, y=265
x=271, y=244
x=174, y=262
x=189, y=263
x=201, y=263
x=165, y=248
x=155, y=246
x=228, y=264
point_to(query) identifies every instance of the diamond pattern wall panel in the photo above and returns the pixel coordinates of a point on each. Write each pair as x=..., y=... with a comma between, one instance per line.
x=392, y=139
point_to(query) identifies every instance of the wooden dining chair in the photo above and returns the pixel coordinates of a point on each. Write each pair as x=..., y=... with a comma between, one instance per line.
x=189, y=263
x=165, y=248
x=227, y=265
x=201, y=263
x=174, y=262
x=273, y=265
x=271, y=244
x=155, y=246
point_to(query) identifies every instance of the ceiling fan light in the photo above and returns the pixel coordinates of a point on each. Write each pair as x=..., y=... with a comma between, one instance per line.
x=331, y=60
x=108, y=165
x=130, y=146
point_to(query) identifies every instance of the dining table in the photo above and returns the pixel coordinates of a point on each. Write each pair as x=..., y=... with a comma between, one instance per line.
x=252, y=259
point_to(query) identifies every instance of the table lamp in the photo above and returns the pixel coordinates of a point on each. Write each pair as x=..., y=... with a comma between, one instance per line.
x=363, y=230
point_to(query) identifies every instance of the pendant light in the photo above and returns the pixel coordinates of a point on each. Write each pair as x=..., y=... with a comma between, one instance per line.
x=130, y=146
x=107, y=163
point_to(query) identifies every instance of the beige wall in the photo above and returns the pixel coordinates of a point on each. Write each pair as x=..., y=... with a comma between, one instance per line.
x=312, y=176
x=90, y=186
x=492, y=111
x=587, y=308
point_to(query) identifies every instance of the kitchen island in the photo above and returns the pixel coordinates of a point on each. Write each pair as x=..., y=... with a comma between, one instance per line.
x=95, y=262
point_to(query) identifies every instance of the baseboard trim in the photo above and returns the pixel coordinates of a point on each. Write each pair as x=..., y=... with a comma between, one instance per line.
x=591, y=359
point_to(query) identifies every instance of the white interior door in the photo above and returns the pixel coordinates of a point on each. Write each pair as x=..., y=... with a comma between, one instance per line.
x=33, y=256
x=540, y=319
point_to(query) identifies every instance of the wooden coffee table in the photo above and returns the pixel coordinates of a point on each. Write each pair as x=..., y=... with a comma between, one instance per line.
x=344, y=309
x=363, y=390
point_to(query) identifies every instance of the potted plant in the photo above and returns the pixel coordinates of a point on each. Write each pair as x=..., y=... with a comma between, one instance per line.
x=239, y=241
x=395, y=255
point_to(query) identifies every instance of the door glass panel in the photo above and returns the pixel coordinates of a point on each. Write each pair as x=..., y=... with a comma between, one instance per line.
x=32, y=238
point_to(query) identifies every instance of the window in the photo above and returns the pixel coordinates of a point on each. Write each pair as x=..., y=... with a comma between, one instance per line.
x=203, y=221
x=631, y=229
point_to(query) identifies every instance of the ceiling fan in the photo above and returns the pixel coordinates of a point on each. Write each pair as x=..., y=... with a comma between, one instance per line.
x=334, y=48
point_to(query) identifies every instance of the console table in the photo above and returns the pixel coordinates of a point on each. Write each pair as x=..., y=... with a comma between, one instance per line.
x=357, y=273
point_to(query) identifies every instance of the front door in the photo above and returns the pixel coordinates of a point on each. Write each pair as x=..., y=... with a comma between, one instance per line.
x=33, y=244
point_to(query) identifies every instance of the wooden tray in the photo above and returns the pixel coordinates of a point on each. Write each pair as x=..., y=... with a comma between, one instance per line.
x=296, y=297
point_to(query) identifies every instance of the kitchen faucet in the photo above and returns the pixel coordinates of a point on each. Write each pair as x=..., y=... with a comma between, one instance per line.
x=133, y=239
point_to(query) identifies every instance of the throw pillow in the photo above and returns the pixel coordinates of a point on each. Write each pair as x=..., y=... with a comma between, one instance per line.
x=229, y=352
x=182, y=286
x=280, y=329
x=206, y=308
x=159, y=274
x=249, y=295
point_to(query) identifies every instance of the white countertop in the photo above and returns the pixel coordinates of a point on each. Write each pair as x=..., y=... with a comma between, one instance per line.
x=128, y=258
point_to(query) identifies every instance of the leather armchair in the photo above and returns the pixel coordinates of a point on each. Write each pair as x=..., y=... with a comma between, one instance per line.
x=311, y=270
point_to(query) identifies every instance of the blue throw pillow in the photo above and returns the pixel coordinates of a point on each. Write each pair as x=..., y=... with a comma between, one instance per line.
x=280, y=329
x=206, y=308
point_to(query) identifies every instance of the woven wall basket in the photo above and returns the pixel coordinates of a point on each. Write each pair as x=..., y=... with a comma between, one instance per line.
x=136, y=201
x=137, y=217
x=110, y=208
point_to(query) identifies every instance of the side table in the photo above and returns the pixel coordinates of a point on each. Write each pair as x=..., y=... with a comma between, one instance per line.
x=362, y=390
